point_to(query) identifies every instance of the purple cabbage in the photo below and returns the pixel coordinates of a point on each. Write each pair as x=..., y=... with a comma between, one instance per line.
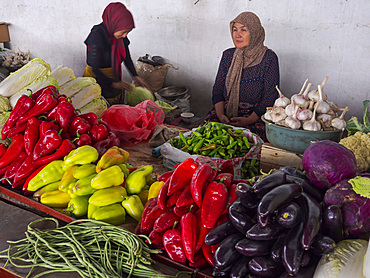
x=327, y=162
x=355, y=208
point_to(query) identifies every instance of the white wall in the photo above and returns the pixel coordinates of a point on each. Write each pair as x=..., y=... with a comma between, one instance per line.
x=312, y=39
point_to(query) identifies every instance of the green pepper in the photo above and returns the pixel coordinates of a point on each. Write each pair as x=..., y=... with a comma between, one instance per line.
x=50, y=173
x=108, y=177
x=84, y=171
x=205, y=153
x=214, y=151
x=82, y=155
x=68, y=179
x=133, y=206
x=208, y=147
x=90, y=210
x=47, y=188
x=232, y=145
x=124, y=169
x=78, y=206
x=136, y=180
x=113, y=156
x=246, y=142
x=182, y=137
x=113, y=214
x=108, y=196
x=55, y=199
x=197, y=133
x=82, y=187
x=221, y=151
x=198, y=146
x=238, y=131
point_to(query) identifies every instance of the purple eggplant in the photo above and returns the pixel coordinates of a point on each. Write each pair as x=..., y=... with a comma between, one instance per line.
x=268, y=232
x=322, y=245
x=252, y=248
x=226, y=254
x=219, y=233
x=239, y=218
x=293, y=171
x=333, y=222
x=265, y=267
x=269, y=182
x=277, y=249
x=292, y=250
x=308, y=187
x=246, y=195
x=240, y=269
x=289, y=215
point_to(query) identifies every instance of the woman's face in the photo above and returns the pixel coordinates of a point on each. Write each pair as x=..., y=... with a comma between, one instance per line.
x=121, y=34
x=241, y=36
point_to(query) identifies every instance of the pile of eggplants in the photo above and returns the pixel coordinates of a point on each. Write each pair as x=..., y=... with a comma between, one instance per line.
x=276, y=228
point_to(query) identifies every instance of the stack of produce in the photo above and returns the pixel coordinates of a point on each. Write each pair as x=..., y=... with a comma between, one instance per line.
x=192, y=199
x=307, y=110
x=44, y=127
x=5, y=109
x=16, y=59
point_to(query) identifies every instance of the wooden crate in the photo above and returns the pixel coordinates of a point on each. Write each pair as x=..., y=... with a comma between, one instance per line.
x=274, y=158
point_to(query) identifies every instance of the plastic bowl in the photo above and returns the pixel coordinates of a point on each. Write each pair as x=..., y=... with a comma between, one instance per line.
x=186, y=117
x=297, y=141
x=173, y=92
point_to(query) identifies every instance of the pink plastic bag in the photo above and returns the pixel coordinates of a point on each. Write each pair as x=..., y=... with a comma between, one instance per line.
x=133, y=124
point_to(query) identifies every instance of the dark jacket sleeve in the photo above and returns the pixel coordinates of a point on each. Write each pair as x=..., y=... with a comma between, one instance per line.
x=271, y=79
x=128, y=61
x=219, y=85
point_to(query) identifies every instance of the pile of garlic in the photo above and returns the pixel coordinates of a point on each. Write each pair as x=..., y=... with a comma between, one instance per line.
x=307, y=110
x=17, y=59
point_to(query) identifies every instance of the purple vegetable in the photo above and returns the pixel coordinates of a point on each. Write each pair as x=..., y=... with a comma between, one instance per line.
x=327, y=162
x=355, y=208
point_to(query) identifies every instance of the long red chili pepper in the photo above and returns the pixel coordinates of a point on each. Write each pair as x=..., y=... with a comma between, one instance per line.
x=65, y=148
x=203, y=175
x=64, y=114
x=26, y=169
x=199, y=261
x=23, y=104
x=79, y=125
x=232, y=196
x=165, y=221
x=171, y=200
x=207, y=252
x=150, y=204
x=91, y=117
x=225, y=178
x=50, y=89
x=47, y=143
x=82, y=139
x=180, y=211
x=156, y=239
x=188, y=224
x=227, y=167
x=172, y=243
x=214, y=202
x=3, y=149
x=13, y=167
x=182, y=175
x=31, y=134
x=185, y=198
x=17, y=129
x=162, y=195
x=14, y=149
x=45, y=126
x=202, y=231
x=165, y=176
x=147, y=222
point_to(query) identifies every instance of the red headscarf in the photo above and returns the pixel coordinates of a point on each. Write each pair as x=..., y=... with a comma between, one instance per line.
x=116, y=18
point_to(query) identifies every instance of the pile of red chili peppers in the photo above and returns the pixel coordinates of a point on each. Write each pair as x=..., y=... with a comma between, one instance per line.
x=192, y=201
x=44, y=127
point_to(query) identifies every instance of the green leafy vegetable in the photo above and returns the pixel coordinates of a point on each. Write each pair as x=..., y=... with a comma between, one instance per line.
x=63, y=74
x=85, y=95
x=361, y=185
x=138, y=95
x=74, y=86
x=98, y=106
x=353, y=125
x=165, y=106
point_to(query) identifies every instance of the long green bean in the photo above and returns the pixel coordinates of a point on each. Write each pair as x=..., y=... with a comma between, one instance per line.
x=91, y=248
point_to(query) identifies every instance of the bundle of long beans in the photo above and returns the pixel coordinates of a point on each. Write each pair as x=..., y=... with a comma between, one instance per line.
x=90, y=248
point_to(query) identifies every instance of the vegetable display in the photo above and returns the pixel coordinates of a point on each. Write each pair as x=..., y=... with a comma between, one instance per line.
x=90, y=248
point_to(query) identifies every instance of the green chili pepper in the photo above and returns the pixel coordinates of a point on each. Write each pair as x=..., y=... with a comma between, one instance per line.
x=221, y=151
x=246, y=142
x=205, y=153
x=196, y=133
x=212, y=153
x=182, y=137
x=208, y=147
x=232, y=145
x=238, y=131
x=198, y=146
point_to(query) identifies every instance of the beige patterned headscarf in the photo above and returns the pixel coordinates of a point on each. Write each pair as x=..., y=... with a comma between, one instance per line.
x=243, y=58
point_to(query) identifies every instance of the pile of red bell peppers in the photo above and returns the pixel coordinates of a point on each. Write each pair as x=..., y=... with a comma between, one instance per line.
x=43, y=127
x=192, y=201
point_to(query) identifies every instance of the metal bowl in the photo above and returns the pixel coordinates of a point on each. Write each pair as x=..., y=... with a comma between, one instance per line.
x=173, y=92
x=297, y=141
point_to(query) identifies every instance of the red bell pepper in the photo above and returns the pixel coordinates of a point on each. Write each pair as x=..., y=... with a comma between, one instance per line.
x=14, y=149
x=3, y=149
x=48, y=142
x=147, y=222
x=25, y=190
x=13, y=167
x=26, y=169
x=31, y=134
x=98, y=132
x=206, y=159
x=214, y=202
x=44, y=103
x=225, y=178
x=156, y=239
x=79, y=125
x=180, y=211
x=199, y=261
x=162, y=195
x=23, y=104
x=64, y=113
x=17, y=129
x=91, y=117
x=171, y=200
x=202, y=176
x=207, y=252
x=182, y=175
x=188, y=224
x=165, y=176
x=82, y=139
x=227, y=167
x=150, y=204
x=172, y=243
x=52, y=90
x=65, y=148
x=166, y=221
x=46, y=125
x=185, y=198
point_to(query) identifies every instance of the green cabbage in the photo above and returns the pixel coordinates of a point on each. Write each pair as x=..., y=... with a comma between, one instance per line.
x=98, y=106
x=63, y=74
x=85, y=95
x=74, y=86
x=138, y=95
x=4, y=104
x=165, y=106
x=36, y=85
x=33, y=70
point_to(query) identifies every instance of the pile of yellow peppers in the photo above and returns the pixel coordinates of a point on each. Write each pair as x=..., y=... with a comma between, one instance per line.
x=103, y=189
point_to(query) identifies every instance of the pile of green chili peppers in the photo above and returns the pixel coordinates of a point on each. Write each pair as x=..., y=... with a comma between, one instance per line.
x=214, y=139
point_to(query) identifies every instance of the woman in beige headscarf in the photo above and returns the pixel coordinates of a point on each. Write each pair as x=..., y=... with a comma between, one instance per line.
x=247, y=77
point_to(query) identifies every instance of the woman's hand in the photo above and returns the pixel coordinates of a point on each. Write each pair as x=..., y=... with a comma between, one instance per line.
x=244, y=121
x=224, y=119
x=122, y=85
x=140, y=82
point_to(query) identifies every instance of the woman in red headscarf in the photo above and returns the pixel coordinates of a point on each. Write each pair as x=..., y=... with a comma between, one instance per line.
x=107, y=47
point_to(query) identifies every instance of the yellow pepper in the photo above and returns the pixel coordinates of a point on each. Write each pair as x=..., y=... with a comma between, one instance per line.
x=136, y=180
x=133, y=206
x=68, y=179
x=50, y=173
x=108, y=196
x=50, y=187
x=77, y=206
x=154, y=189
x=84, y=170
x=108, y=177
x=55, y=199
x=82, y=155
x=113, y=156
x=113, y=214
x=90, y=210
x=82, y=187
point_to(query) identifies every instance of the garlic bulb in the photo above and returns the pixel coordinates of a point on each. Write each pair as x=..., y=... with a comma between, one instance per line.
x=267, y=115
x=323, y=107
x=292, y=121
x=289, y=109
x=339, y=123
x=282, y=101
x=325, y=120
x=304, y=114
x=314, y=95
x=313, y=125
x=278, y=114
x=301, y=99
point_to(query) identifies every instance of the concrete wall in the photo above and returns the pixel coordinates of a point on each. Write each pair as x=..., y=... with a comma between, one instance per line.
x=312, y=39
